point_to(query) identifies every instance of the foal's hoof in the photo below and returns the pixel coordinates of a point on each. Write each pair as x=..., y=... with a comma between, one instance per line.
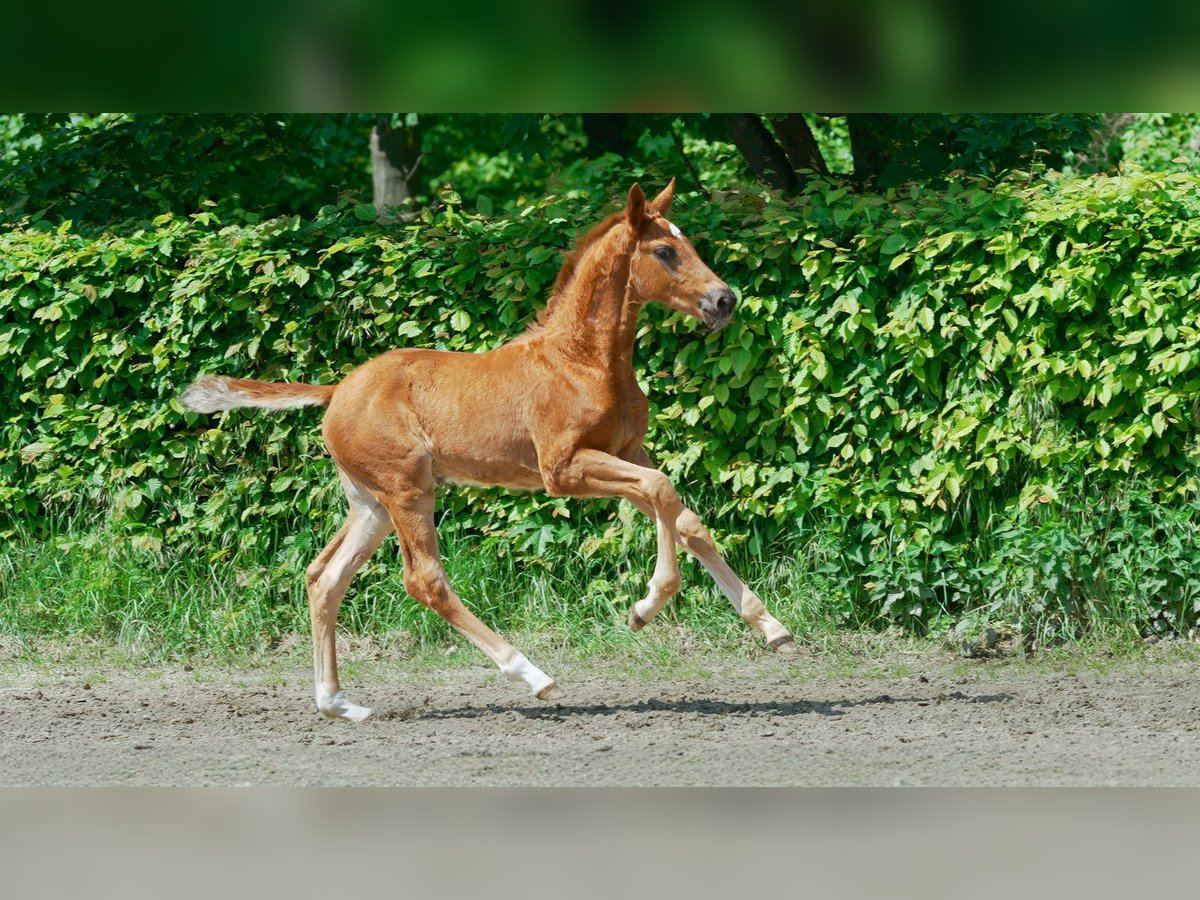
x=785, y=646
x=636, y=622
x=358, y=713
x=338, y=707
x=550, y=692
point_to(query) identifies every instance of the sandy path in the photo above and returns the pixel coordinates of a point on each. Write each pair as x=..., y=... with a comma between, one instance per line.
x=468, y=728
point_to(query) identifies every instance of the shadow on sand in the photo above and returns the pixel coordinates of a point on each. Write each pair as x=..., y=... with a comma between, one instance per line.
x=705, y=707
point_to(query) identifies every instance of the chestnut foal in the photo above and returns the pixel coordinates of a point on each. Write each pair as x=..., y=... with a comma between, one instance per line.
x=557, y=409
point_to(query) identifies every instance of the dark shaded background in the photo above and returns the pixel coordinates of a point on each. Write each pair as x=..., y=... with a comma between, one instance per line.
x=523, y=54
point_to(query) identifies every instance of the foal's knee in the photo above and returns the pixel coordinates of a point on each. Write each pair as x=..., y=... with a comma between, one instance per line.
x=662, y=495
x=692, y=533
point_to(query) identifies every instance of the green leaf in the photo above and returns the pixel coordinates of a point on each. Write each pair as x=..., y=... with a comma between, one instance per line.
x=758, y=389
x=323, y=285
x=741, y=359
x=409, y=329
x=819, y=365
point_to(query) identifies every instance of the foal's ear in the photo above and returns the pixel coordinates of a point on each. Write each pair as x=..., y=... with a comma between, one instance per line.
x=636, y=210
x=662, y=203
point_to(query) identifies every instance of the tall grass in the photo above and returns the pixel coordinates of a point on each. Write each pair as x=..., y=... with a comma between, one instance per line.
x=88, y=580
x=1065, y=566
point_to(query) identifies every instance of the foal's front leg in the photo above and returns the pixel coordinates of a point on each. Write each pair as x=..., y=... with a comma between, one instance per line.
x=691, y=534
x=591, y=473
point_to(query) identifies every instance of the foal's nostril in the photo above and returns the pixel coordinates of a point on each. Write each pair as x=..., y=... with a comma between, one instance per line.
x=725, y=302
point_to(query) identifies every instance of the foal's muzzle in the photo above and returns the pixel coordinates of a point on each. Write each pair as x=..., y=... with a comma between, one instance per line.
x=716, y=307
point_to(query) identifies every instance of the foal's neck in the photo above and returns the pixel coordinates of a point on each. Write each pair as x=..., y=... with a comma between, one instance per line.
x=595, y=321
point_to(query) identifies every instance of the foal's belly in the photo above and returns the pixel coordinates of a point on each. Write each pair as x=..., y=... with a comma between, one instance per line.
x=514, y=477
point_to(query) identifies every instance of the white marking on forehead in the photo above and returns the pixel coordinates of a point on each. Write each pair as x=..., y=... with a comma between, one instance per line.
x=675, y=231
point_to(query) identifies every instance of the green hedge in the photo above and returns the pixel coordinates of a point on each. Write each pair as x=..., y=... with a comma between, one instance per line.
x=906, y=372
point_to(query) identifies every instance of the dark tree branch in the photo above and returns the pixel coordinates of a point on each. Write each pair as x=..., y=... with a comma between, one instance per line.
x=765, y=157
x=688, y=162
x=798, y=142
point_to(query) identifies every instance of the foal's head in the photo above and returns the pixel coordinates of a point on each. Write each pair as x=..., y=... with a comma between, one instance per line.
x=664, y=266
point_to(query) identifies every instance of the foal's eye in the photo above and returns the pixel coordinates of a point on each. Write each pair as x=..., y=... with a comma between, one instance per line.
x=666, y=252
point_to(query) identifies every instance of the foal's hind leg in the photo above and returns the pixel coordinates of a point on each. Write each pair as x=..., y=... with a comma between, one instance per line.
x=425, y=580
x=328, y=577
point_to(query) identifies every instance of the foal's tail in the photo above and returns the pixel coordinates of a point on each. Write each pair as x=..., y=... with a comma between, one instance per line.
x=208, y=395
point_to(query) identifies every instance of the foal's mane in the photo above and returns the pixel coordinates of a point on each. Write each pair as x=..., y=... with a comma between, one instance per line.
x=570, y=266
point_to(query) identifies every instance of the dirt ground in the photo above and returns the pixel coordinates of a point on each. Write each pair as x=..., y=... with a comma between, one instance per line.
x=741, y=723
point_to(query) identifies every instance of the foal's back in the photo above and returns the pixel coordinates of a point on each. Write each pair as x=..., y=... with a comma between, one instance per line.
x=459, y=417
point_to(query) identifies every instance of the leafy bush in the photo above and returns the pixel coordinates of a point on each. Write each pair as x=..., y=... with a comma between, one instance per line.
x=914, y=381
x=107, y=168
x=1161, y=141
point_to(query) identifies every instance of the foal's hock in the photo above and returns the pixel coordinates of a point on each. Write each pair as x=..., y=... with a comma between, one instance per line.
x=556, y=409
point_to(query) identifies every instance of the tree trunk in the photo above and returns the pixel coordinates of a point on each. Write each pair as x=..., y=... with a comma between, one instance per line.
x=798, y=142
x=870, y=151
x=766, y=159
x=395, y=155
